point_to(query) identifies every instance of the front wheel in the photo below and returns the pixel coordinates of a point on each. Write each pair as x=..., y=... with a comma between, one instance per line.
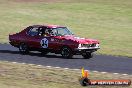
x=87, y=55
x=66, y=52
x=23, y=48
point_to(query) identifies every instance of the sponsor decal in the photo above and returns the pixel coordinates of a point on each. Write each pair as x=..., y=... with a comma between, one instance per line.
x=44, y=43
x=85, y=81
x=52, y=39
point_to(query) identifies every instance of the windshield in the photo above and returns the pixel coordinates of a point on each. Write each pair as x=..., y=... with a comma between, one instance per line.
x=61, y=31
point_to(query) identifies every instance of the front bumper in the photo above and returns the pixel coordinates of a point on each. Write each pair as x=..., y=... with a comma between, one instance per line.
x=85, y=50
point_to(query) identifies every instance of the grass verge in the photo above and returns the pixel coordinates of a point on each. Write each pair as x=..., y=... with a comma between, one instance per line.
x=32, y=76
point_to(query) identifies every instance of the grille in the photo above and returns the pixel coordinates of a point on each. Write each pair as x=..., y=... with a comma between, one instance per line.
x=93, y=45
x=89, y=45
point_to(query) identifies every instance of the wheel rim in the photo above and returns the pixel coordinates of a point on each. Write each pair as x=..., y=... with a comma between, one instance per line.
x=65, y=52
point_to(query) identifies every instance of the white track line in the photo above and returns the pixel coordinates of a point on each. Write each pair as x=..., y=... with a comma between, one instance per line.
x=57, y=67
x=6, y=61
x=64, y=68
x=48, y=66
x=103, y=72
x=95, y=71
x=23, y=63
x=124, y=74
x=14, y=62
x=39, y=65
x=115, y=73
x=30, y=64
x=76, y=69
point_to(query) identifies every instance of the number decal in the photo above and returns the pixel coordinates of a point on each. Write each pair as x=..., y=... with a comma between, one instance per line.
x=44, y=43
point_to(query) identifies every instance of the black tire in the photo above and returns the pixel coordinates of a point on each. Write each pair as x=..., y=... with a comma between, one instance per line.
x=66, y=52
x=87, y=55
x=85, y=81
x=23, y=48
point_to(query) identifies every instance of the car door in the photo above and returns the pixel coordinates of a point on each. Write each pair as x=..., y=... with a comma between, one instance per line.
x=54, y=40
x=45, y=38
x=33, y=37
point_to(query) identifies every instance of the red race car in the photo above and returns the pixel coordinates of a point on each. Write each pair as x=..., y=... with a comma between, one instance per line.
x=55, y=39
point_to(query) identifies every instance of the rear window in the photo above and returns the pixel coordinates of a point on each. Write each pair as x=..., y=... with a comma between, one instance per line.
x=33, y=31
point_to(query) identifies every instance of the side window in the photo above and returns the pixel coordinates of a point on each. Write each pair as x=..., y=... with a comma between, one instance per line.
x=33, y=31
x=54, y=32
x=49, y=32
x=41, y=31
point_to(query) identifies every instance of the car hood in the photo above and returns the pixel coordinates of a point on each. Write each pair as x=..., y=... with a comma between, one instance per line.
x=80, y=40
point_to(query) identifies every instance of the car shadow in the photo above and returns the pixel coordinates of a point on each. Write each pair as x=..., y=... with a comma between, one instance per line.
x=35, y=54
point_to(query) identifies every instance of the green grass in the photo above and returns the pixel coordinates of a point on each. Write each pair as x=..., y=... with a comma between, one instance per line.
x=32, y=76
x=105, y=20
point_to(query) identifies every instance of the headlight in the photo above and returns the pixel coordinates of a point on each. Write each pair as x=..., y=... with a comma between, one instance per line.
x=97, y=45
x=80, y=45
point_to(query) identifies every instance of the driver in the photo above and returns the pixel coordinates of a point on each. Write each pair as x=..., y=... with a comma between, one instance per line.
x=47, y=32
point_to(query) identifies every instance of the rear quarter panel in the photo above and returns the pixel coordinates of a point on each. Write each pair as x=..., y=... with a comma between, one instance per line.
x=16, y=39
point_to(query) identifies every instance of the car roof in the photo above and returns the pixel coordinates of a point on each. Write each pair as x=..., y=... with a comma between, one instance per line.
x=48, y=26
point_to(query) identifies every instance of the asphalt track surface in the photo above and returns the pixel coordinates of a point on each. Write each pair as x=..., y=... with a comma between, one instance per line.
x=100, y=63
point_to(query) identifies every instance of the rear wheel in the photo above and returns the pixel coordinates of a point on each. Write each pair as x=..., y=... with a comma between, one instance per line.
x=66, y=52
x=87, y=55
x=23, y=48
